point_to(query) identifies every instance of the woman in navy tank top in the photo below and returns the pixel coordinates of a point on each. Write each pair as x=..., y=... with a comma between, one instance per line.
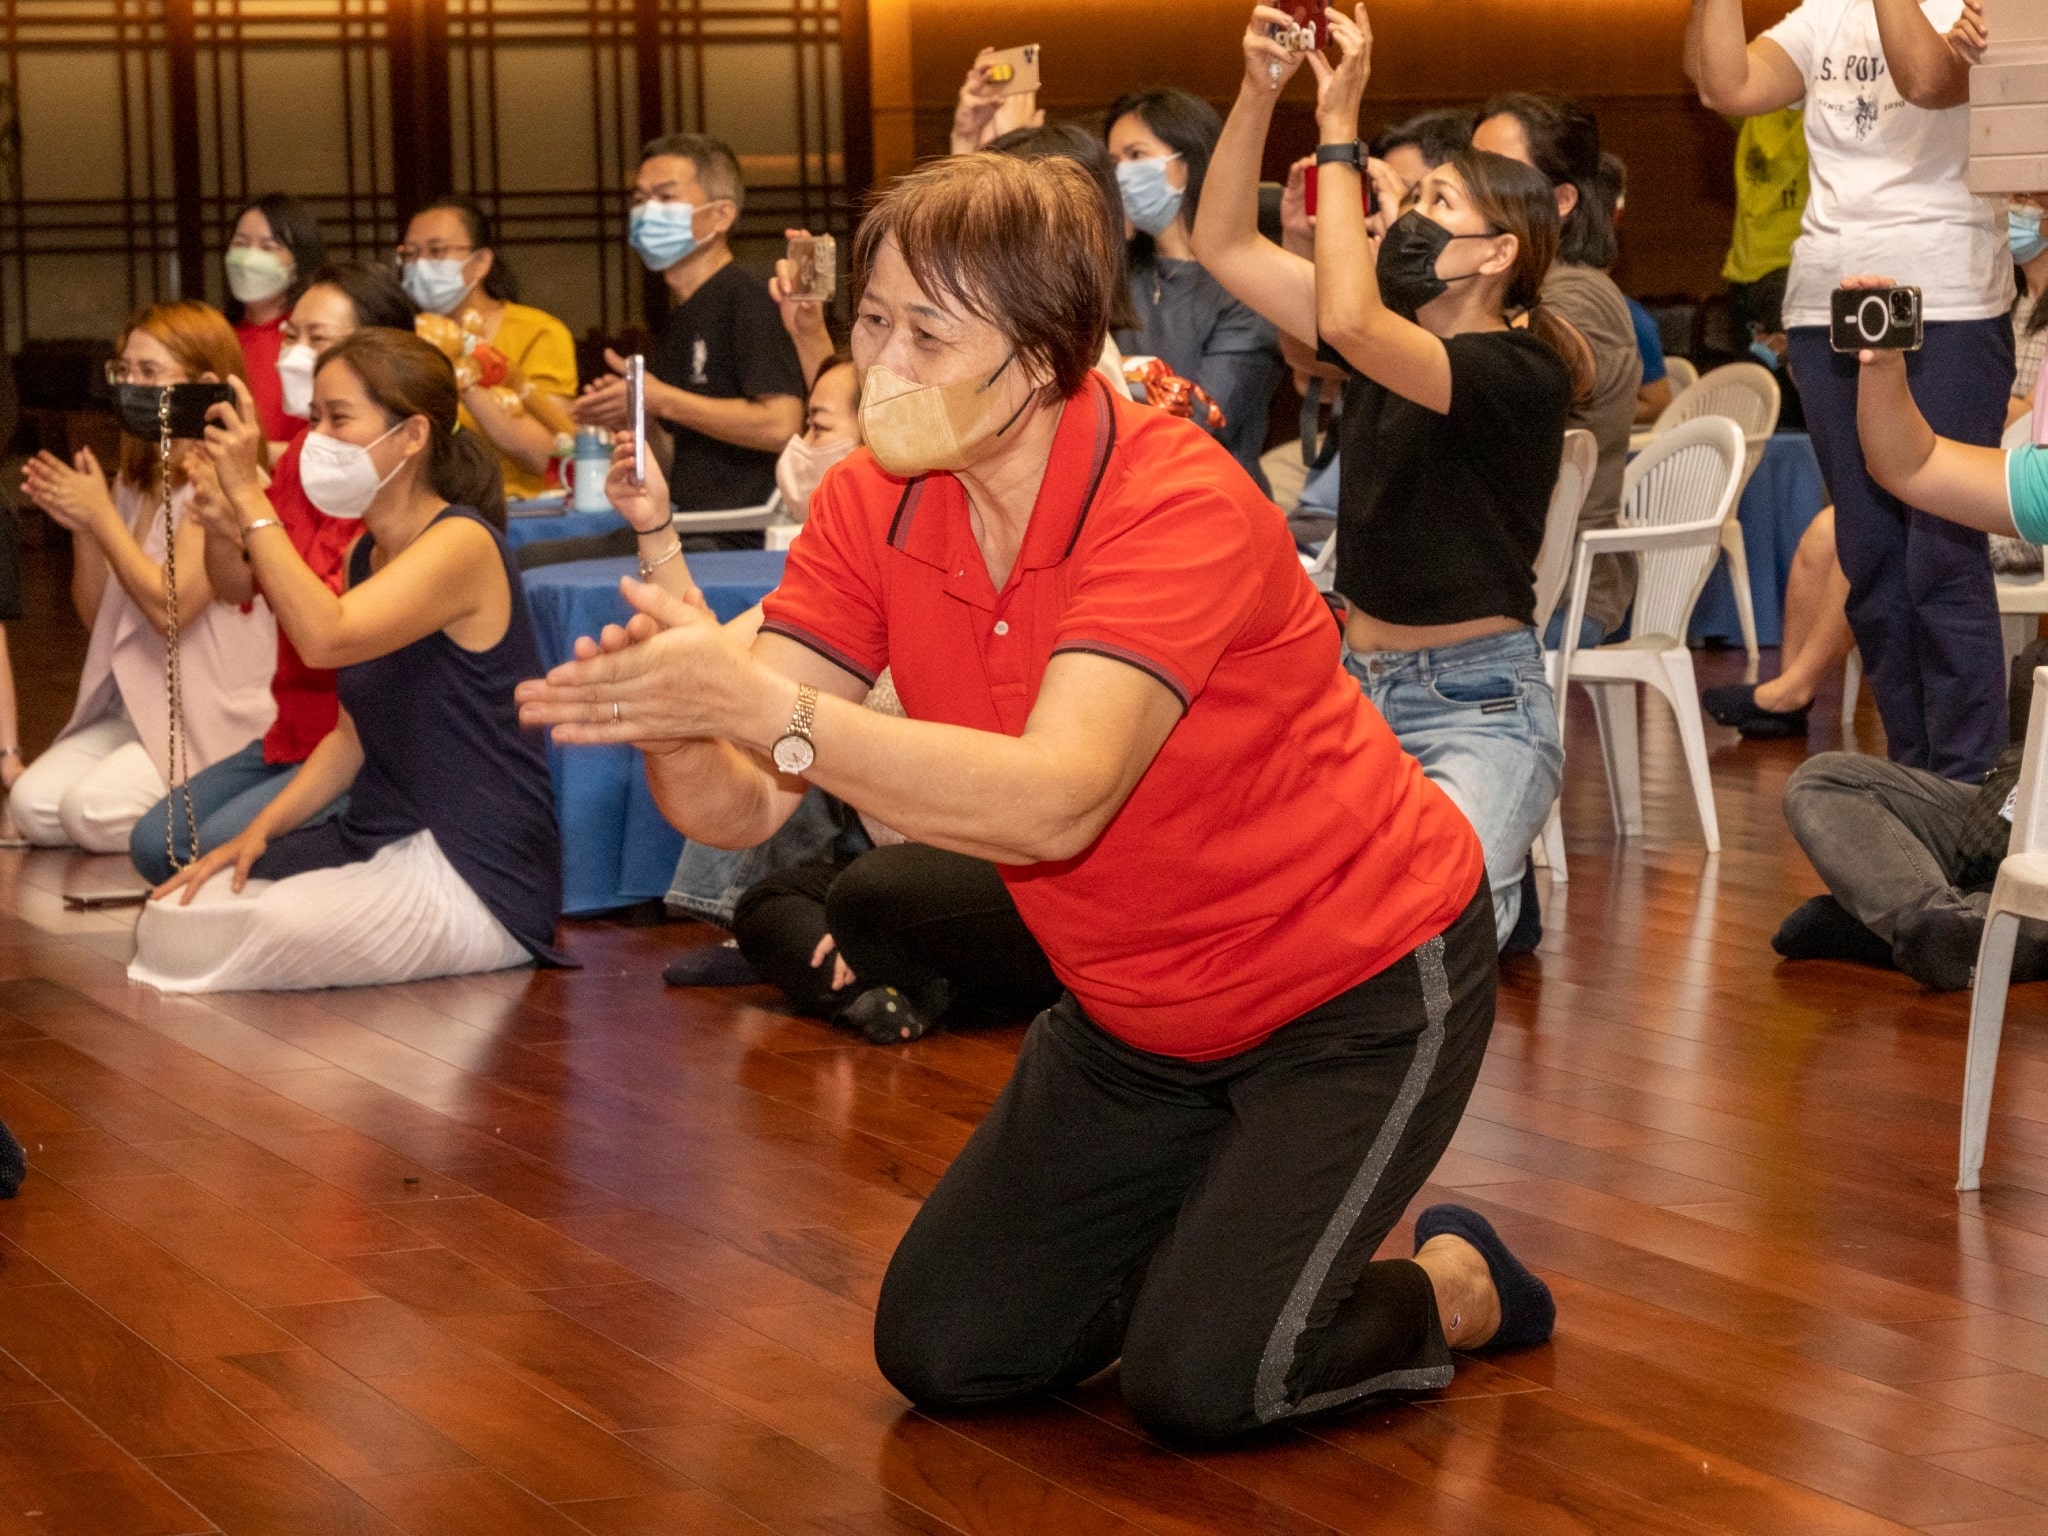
x=448, y=859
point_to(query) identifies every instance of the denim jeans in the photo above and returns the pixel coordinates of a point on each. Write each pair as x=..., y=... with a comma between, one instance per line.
x=225, y=799
x=709, y=882
x=1480, y=718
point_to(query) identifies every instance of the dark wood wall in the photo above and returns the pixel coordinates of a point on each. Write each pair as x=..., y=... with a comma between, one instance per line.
x=1621, y=56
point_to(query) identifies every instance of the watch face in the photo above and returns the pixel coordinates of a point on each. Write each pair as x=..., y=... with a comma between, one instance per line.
x=794, y=755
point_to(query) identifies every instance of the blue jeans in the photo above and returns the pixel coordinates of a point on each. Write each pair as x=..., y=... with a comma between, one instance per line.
x=1480, y=718
x=225, y=799
x=1921, y=599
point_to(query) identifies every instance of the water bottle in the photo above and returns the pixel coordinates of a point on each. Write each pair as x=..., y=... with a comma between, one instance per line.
x=587, y=471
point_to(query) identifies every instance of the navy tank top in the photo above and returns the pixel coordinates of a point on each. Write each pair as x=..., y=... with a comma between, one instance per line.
x=443, y=752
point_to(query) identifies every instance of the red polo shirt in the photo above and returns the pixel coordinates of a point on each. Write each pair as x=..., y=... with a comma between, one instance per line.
x=1281, y=848
x=306, y=704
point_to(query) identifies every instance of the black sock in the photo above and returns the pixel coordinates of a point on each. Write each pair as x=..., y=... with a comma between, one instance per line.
x=1822, y=929
x=13, y=1163
x=1528, y=930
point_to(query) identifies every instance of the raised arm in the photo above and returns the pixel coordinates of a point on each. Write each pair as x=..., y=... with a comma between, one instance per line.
x=1928, y=71
x=1734, y=75
x=1958, y=481
x=77, y=496
x=1227, y=242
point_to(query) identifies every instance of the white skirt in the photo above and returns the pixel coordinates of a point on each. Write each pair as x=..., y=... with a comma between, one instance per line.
x=403, y=915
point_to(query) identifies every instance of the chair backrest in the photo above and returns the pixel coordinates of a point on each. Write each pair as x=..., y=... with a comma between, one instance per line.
x=1561, y=527
x=2030, y=808
x=1688, y=475
x=1746, y=393
x=1682, y=374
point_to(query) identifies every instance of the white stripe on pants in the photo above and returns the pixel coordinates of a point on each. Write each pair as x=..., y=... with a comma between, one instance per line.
x=88, y=790
x=403, y=915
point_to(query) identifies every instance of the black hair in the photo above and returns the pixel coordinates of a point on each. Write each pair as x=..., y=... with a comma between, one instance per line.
x=1092, y=155
x=501, y=282
x=1611, y=184
x=718, y=168
x=1564, y=144
x=1436, y=135
x=371, y=291
x=292, y=226
x=1185, y=124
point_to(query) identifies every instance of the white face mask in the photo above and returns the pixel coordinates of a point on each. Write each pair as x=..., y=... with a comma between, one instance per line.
x=341, y=478
x=295, y=377
x=254, y=275
x=802, y=466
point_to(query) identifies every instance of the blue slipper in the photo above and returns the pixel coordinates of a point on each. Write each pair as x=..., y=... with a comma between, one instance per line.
x=1528, y=1312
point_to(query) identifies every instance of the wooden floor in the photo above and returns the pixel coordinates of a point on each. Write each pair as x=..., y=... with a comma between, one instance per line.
x=560, y=1253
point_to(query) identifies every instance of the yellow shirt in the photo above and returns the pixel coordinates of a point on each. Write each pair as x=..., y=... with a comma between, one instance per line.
x=539, y=346
x=1770, y=194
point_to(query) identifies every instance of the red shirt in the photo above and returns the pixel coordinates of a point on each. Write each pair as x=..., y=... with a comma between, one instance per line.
x=1281, y=848
x=306, y=706
x=260, y=346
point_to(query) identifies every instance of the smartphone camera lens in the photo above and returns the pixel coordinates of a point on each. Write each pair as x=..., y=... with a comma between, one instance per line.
x=1903, y=309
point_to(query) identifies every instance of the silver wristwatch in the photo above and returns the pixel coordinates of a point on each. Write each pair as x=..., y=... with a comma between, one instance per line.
x=794, y=752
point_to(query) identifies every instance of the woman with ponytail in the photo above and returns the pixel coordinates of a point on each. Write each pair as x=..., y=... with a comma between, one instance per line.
x=447, y=859
x=1453, y=428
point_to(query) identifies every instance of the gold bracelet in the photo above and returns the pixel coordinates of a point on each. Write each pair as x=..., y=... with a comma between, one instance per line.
x=649, y=567
x=261, y=522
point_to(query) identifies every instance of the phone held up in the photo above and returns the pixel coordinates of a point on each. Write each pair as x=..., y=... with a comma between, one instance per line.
x=1308, y=193
x=1876, y=320
x=1015, y=70
x=814, y=268
x=140, y=406
x=1309, y=25
x=636, y=413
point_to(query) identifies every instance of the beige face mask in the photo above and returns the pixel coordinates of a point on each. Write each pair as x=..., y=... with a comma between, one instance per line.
x=916, y=429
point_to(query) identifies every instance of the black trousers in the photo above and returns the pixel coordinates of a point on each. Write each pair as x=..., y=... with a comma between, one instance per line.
x=1212, y=1223
x=939, y=927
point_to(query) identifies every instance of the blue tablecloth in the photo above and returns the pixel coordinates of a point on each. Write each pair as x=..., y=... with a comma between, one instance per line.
x=524, y=530
x=616, y=849
x=1784, y=495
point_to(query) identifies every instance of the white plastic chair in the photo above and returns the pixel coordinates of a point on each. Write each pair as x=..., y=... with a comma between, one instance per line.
x=738, y=520
x=1553, y=569
x=2021, y=891
x=1682, y=374
x=1747, y=394
x=1678, y=494
x=1322, y=565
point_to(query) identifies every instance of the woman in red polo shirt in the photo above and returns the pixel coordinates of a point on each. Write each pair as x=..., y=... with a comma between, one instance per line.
x=1274, y=932
x=339, y=299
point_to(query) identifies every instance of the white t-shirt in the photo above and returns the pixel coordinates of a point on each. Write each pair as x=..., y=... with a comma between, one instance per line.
x=1888, y=192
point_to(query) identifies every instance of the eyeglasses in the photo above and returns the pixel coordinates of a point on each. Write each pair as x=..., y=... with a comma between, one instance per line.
x=433, y=250
x=121, y=371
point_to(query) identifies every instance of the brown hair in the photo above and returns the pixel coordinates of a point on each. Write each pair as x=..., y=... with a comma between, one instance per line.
x=405, y=377
x=1022, y=244
x=202, y=341
x=1517, y=200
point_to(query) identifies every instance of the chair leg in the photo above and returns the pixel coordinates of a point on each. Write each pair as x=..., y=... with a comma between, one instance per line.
x=1737, y=553
x=1852, y=686
x=1987, y=1021
x=1681, y=691
x=1614, y=707
x=1551, y=844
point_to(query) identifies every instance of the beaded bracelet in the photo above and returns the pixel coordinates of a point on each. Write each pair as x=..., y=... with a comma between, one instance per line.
x=649, y=567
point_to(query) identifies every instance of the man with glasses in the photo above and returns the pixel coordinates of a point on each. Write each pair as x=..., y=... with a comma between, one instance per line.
x=724, y=383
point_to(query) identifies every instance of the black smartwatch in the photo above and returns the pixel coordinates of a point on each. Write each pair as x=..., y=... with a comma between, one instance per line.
x=1342, y=154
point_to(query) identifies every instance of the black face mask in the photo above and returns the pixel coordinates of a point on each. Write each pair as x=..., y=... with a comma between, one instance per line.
x=1407, y=264
x=139, y=405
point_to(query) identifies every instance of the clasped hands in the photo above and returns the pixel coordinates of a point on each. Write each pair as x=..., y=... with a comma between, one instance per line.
x=669, y=676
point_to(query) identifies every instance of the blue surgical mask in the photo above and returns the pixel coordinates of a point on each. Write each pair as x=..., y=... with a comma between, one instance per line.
x=1762, y=352
x=663, y=233
x=436, y=286
x=1151, y=202
x=2023, y=224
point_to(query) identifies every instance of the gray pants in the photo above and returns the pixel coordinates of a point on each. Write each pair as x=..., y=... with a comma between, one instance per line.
x=1883, y=836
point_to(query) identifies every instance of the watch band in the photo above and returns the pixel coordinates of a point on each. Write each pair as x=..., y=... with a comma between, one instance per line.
x=1342, y=154
x=805, y=713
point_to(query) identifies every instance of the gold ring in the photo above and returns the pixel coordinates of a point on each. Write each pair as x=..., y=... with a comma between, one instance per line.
x=615, y=714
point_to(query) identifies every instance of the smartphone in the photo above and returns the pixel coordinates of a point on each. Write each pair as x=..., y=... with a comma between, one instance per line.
x=100, y=901
x=140, y=404
x=1310, y=25
x=1876, y=319
x=1308, y=193
x=814, y=268
x=1014, y=69
x=636, y=413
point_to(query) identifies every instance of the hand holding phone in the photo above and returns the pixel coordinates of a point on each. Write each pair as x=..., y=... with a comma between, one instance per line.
x=1876, y=319
x=1013, y=71
x=813, y=269
x=1309, y=31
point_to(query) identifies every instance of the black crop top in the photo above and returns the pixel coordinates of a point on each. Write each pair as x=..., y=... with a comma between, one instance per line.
x=1440, y=518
